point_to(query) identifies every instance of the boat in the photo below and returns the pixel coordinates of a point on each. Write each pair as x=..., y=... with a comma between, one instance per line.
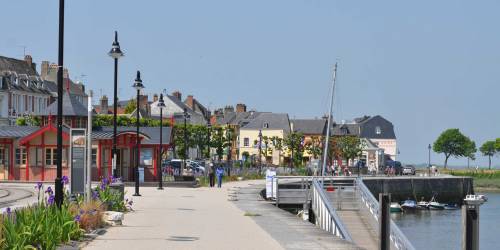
x=434, y=205
x=395, y=208
x=409, y=205
x=451, y=206
x=422, y=204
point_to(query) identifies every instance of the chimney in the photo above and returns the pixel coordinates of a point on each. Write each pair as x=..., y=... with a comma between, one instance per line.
x=143, y=102
x=190, y=102
x=240, y=108
x=29, y=60
x=177, y=95
x=155, y=97
x=44, y=69
x=104, y=104
x=228, y=109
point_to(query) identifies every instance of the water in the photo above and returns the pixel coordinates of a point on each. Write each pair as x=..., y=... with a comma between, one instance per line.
x=442, y=229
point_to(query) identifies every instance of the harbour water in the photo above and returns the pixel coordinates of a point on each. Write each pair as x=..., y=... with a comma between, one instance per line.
x=442, y=229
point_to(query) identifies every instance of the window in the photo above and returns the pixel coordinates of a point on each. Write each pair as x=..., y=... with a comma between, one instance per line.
x=146, y=156
x=94, y=156
x=246, y=142
x=378, y=130
x=266, y=125
x=20, y=156
x=50, y=156
x=2, y=153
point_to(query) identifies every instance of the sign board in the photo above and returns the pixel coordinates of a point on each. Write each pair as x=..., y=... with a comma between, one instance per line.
x=77, y=160
x=270, y=184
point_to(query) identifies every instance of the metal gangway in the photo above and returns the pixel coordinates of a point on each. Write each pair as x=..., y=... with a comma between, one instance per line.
x=342, y=206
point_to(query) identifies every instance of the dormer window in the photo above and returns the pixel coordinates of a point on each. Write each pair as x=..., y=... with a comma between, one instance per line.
x=344, y=130
x=266, y=125
x=378, y=130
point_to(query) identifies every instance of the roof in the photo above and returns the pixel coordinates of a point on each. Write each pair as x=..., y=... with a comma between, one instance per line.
x=16, y=65
x=152, y=134
x=51, y=78
x=345, y=129
x=309, y=126
x=265, y=121
x=71, y=107
x=17, y=131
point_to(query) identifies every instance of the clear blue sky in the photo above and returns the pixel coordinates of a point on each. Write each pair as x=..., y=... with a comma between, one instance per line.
x=426, y=65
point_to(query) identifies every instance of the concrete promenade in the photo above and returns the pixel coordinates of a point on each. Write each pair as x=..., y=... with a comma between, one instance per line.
x=185, y=218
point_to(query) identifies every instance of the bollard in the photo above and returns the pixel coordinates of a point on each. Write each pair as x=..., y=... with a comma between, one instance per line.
x=384, y=201
x=470, y=222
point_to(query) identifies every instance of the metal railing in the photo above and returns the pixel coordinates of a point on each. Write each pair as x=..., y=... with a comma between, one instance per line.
x=398, y=239
x=326, y=216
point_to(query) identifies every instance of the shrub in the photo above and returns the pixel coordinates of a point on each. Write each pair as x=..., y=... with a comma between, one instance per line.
x=111, y=200
x=90, y=213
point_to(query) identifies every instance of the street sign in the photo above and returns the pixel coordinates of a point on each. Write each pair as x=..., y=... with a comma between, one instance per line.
x=77, y=160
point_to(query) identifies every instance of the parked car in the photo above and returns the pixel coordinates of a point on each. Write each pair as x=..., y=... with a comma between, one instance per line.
x=409, y=170
x=395, y=166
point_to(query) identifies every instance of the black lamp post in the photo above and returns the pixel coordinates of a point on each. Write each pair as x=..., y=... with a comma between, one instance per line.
x=58, y=185
x=186, y=148
x=115, y=53
x=209, y=128
x=161, y=105
x=138, y=86
x=429, y=165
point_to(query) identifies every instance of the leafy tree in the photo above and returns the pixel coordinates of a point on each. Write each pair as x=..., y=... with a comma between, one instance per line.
x=130, y=107
x=314, y=147
x=488, y=149
x=350, y=147
x=246, y=157
x=293, y=142
x=199, y=137
x=124, y=120
x=453, y=143
x=497, y=145
x=278, y=145
x=181, y=145
x=471, y=151
x=28, y=121
x=266, y=150
x=219, y=141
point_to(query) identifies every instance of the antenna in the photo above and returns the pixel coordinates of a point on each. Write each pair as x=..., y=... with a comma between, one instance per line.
x=24, y=49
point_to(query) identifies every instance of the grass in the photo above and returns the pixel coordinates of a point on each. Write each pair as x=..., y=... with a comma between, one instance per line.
x=251, y=214
x=484, y=180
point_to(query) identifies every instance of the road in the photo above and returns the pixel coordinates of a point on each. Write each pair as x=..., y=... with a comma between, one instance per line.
x=16, y=195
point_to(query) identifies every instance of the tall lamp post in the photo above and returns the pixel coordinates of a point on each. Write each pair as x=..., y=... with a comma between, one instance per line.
x=58, y=181
x=229, y=148
x=115, y=53
x=186, y=148
x=138, y=86
x=161, y=105
x=260, y=149
x=429, y=165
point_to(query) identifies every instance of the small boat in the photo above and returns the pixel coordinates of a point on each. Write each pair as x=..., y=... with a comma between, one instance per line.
x=423, y=205
x=476, y=199
x=395, y=208
x=409, y=205
x=451, y=206
x=434, y=205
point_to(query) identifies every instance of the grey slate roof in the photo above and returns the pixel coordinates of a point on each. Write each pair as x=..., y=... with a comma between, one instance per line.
x=276, y=121
x=17, y=131
x=345, y=129
x=152, y=132
x=16, y=65
x=71, y=107
x=309, y=126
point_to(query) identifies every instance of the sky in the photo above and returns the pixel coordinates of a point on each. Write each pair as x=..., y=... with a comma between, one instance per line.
x=424, y=65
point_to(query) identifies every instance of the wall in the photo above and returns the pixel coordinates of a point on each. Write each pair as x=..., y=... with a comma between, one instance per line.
x=253, y=135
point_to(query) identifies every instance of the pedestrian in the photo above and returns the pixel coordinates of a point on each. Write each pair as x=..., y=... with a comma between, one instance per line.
x=220, y=173
x=211, y=174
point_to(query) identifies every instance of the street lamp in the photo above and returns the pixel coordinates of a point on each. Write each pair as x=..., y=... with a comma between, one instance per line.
x=260, y=148
x=58, y=185
x=161, y=105
x=138, y=86
x=429, y=165
x=209, y=127
x=115, y=53
x=186, y=149
x=228, y=137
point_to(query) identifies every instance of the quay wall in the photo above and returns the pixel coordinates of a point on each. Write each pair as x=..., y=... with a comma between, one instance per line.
x=446, y=189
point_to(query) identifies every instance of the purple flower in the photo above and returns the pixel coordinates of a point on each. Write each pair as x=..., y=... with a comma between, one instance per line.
x=39, y=185
x=49, y=191
x=130, y=202
x=82, y=211
x=65, y=180
x=95, y=195
x=50, y=200
x=77, y=218
x=8, y=210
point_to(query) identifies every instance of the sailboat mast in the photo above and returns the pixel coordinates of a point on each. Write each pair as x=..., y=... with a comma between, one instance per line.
x=327, y=137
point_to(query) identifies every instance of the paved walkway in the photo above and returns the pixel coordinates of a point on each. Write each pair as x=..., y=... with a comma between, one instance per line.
x=184, y=218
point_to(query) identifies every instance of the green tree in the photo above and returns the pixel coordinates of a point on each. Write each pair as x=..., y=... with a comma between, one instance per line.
x=130, y=107
x=293, y=142
x=28, y=121
x=199, y=134
x=497, y=145
x=452, y=143
x=488, y=149
x=314, y=147
x=278, y=145
x=219, y=141
x=471, y=151
x=350, y=147
x=181, y=145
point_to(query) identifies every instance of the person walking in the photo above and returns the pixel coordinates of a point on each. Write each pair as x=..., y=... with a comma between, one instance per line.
x=220, y=173
x=211, y=174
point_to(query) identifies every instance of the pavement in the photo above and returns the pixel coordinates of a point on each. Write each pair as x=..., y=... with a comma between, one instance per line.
x=186, y=218
x=16, y=195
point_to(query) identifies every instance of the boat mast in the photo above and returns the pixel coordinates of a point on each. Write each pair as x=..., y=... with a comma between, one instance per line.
x=327, y=138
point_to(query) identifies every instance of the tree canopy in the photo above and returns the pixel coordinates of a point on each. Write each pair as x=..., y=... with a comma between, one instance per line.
x=489, y=149
x=350, y=147
x=453, y=143
x=130, y=107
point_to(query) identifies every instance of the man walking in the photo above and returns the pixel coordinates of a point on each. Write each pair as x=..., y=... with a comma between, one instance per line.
x=211, y=174
x=219, y=172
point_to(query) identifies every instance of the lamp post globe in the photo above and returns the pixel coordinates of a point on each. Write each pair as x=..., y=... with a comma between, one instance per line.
x=138, y=86
x=115, y=53
x=161, y=105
